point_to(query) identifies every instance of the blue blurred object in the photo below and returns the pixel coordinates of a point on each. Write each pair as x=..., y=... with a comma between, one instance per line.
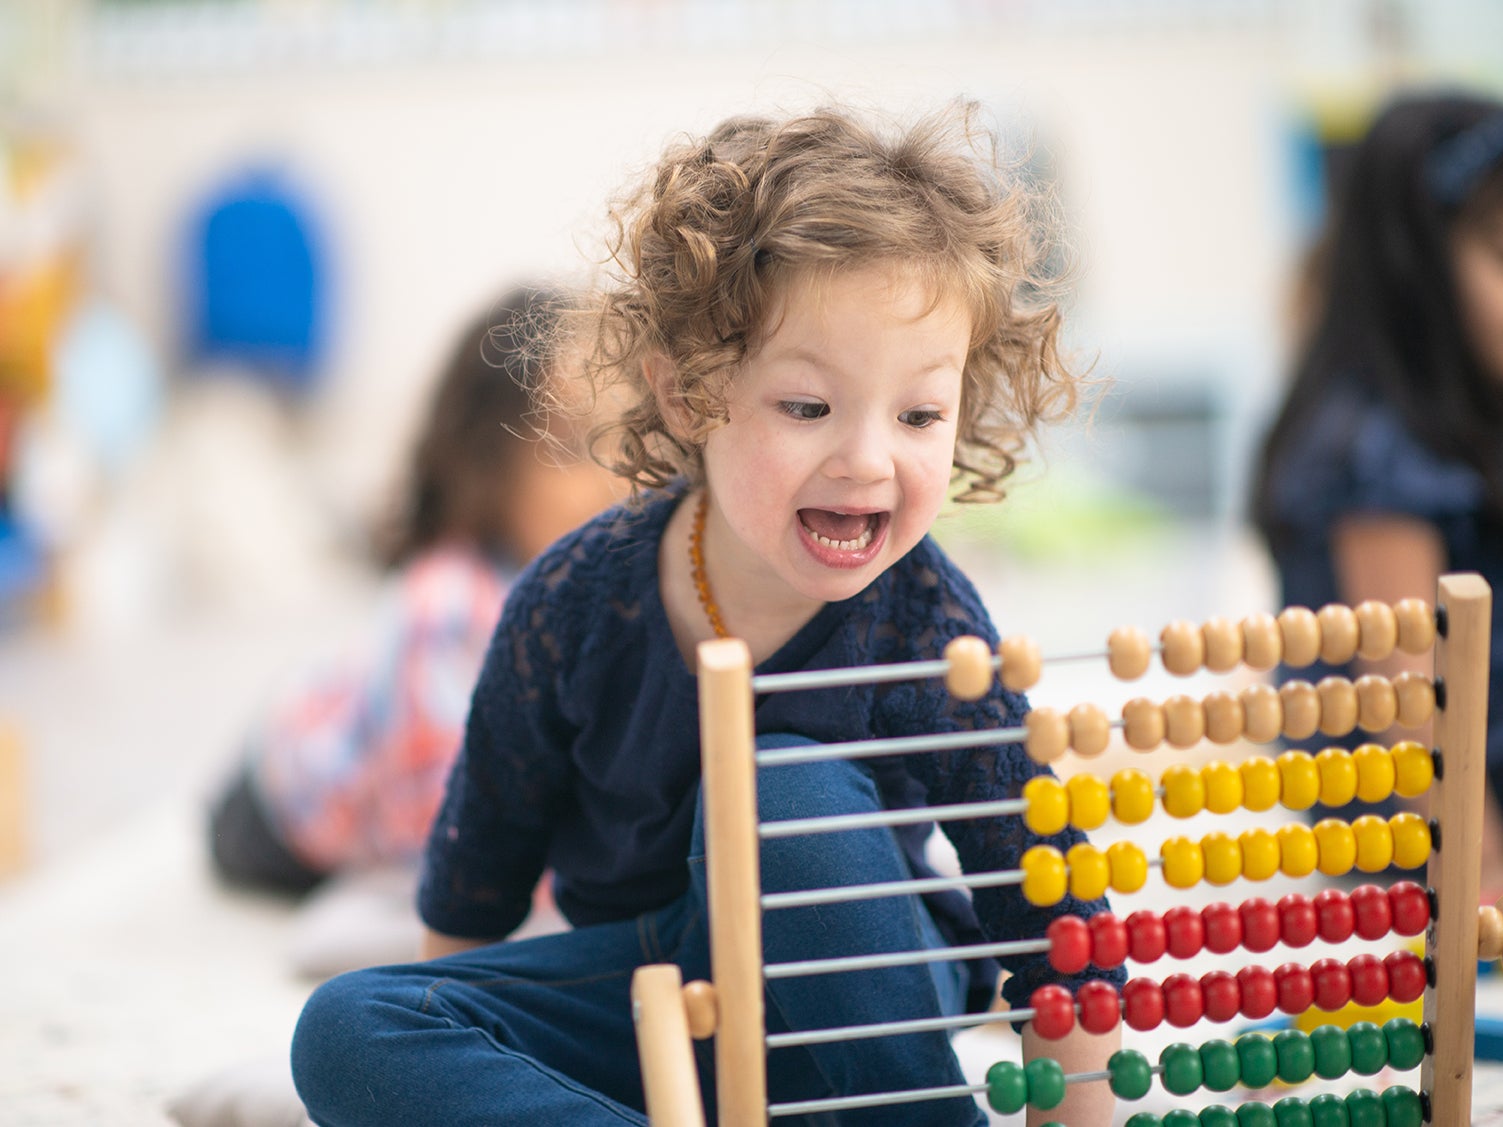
x=22, y=567
x=109, y=386
x=256, y=278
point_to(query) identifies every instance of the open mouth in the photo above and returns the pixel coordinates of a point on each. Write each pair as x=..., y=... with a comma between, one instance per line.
x=842, y=532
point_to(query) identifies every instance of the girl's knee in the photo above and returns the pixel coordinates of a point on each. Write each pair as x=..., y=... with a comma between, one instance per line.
x=334, y=1034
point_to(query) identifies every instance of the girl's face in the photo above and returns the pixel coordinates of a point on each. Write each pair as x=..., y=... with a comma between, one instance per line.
x=1478, y=250
x=841, y=438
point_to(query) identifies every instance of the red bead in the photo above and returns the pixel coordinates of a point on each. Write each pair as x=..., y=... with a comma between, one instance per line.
x=1372, y=910
x=1411, y=907
x=1259, y=993
x=1406, y=975
x=1069, y=944
x=1053, y=1012
x=1100, y=1006
x=1333, y=984
x=1296, y=990
x=1223, y=927
x=1183, y=1003
x=1337, y=919
x=1146, y=937
x=1369, y=979
x=1142, y=1004
x=1260, y=924
x=1187, y=931
x=1221, y=994
x=1296, y=920
x=1108, y=940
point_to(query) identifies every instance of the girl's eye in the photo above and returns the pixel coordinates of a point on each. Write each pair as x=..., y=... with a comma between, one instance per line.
x=920, y=417
x=800, y=409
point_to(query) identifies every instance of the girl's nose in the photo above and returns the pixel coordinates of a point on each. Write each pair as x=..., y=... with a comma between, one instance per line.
x=862, y=454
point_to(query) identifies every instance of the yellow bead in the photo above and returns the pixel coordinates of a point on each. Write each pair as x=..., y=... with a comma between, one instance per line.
x=1260, y=853
x=1411, y=840
x=1090, y=802
x=1048, y=805
x=1260, y=783
x=1338, y=776
x=1090, y=871
x=1128, y=865
x=1132, y=796
x=1336, y=846
x=1223, y=857
x=1414, y=769
x=1376, y=772
x=1374, y=843
x=1299, y=781
x=1298, y=852
x=1184, y=792
x=1044, y=877
x=1223, y=787
x=1184, y=864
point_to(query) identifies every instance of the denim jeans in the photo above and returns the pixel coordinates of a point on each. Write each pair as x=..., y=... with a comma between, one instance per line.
x=539, y=1031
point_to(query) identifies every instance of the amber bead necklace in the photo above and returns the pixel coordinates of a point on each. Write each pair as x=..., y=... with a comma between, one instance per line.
x=697, y=564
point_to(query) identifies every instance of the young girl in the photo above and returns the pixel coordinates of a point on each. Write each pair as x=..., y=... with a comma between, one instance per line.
x=817, y=326
x=346, y=770
x=1385, y=466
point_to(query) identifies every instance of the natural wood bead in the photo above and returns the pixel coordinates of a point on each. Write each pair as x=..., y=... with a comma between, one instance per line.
x=1021, y=663
x=1048, y=735
x=1223, y=644
x=1142, y=724
x=1489, y=932
x=969, y=676
x=1300, y=632
x=703, y=1006
x=1127, y=652
x=1301, y=705
x=1416, y=697
x=1416, y=623
x=1262, y=713
x=1377, y=703
x=1262, y=642
x=1377, y=630
x=1089, y=730
x=1338, y=705
x=1225, y=720
x=1184, y=648
x=1184, y=721
x=1338, y=633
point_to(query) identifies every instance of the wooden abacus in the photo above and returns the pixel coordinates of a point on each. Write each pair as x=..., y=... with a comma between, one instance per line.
x=669, y=1013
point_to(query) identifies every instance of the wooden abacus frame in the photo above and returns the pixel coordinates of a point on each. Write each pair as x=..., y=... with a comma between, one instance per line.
x=669, y=1013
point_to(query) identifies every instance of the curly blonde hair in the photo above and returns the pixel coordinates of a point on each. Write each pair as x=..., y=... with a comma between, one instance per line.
x=701, y=250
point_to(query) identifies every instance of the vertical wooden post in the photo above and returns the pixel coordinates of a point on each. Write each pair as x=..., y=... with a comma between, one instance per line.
x=1462, y=653
x=12, y=801
x=669, y=1078
x=728, y=748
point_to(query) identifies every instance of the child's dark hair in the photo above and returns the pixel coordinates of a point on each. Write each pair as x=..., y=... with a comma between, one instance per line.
x=703, y=249
x=481, y=418
x=1387, y=324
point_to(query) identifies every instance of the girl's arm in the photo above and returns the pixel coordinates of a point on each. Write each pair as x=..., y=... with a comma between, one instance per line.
x=435, y=944
x=1089, y=1104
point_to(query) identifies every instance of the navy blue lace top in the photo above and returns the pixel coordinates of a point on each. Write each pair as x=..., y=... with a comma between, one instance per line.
x=581, y=751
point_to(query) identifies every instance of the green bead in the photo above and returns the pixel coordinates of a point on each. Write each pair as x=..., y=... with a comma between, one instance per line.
x=1406, y=1043
x=1218, y=1117
x=1328, y=1109
x=1333, y=1053
x=1296, y=1056
x=1181, y=1068
x=1402, y=1106
x=1365, y=1109
x=1292, y=1112
x=1130, y=1075
x=1369, y=1048
x=1181, y=1118
x=1006, y=1087
x=1254, y=1114
x=1218, y=1064
x=1144, y=1119
x=1259, y=1060
x=1046, y=1083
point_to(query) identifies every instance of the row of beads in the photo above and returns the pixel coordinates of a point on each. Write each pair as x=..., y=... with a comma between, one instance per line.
x=1396, y=1106
x=1253, y=992
x=1295, y=779
x=1368, y=911
x=1296, y=850
x=1259, y=713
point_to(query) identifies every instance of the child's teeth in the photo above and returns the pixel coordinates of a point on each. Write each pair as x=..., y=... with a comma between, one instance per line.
x=844, y=545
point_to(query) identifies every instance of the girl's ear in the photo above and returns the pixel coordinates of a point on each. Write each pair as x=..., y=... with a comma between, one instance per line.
x=662, y=377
